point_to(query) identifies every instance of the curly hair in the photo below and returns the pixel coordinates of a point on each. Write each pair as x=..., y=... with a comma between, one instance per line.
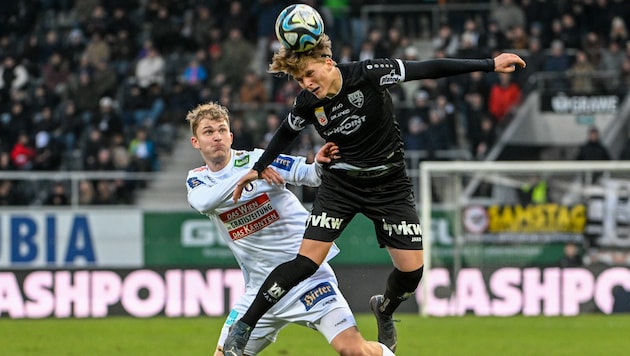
x=291, y=62
x=212, y=111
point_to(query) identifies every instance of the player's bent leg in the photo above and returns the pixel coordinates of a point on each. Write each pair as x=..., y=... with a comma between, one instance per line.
x=340, y=329
x=351, y=343
x=406, y=260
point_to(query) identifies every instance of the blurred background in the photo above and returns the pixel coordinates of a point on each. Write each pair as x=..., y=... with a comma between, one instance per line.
x=94, y=148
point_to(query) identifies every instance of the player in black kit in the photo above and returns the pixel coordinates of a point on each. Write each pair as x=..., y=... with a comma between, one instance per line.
x=349, y=104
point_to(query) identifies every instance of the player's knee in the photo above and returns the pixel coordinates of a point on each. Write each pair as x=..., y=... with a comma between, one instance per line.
x=288, y=275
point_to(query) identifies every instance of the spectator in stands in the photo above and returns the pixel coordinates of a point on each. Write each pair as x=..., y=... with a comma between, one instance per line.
x=508, y=14
x=143, y=153
x=74, y=47
x=84, y=94
x=107, y=120
x=123, y=53
x=93, y=144
x=17, y=120
x=242, y=137
x=611, y=62
x=485, y=138
x=42, y=97
x=571, y=257
x=48, y=152
x=237, y=51
x=8, y=194
x=493, y=39
x=593, y=149
x=581, y=74
x=204, y=22
x=592, y=46
x=13, y=76
x=71, y=125
x=438, y=134
x=272, y=121
x=194, y=74
x=252, y=90
x=97, y=49
x=151, y=68
x=55, y=73
x=414, y=136
x=105, y=79
x=57, y=195
x=504, y=97
x=517, y=37
x=618, y=31
x=23, y=153
x=87, y=194
x=535, y=59
x=445, y=40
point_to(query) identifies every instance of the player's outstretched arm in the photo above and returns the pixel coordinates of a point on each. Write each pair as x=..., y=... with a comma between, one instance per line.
x=507, y=62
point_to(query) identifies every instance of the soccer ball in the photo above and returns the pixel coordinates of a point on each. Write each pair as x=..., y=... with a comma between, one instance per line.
x=299, y=27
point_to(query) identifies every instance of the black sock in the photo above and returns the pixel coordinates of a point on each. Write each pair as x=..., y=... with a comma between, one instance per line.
x=400, y=285
x=278, y=283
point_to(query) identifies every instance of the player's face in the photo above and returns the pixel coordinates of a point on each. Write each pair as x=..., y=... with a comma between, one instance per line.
x=320, y=78
x=214, y=140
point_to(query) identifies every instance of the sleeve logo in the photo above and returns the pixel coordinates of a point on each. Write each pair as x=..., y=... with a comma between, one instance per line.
x=194, y=182
x=283, y=162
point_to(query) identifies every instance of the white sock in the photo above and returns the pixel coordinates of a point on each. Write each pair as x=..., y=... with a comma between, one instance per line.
x=386, y=350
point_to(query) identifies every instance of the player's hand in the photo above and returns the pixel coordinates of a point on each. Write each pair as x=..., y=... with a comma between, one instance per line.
x=507, y=62
x=327, y=153
x=269, y=175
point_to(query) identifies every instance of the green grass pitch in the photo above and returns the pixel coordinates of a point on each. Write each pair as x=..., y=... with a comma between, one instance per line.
x=580, y=335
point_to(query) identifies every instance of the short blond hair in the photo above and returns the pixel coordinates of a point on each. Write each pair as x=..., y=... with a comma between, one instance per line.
x=212, y=111
x=292, y=63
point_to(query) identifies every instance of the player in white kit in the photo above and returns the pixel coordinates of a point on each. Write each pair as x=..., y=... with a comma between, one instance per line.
x=264, y=229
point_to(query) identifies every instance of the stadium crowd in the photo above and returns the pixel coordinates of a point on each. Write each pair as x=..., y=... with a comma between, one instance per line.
x=104, y=85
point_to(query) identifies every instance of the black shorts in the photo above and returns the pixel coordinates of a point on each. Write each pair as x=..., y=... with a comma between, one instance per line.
x=387, y=201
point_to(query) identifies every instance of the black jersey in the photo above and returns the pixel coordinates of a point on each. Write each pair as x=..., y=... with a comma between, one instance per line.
x=360, y=118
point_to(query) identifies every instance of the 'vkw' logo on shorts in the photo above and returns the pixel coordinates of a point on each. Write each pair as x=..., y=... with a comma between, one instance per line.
x=356, y=98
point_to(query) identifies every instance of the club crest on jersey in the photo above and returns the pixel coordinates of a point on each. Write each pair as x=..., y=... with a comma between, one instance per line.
x=321, y=116
x=241, y=161
x=356, y=98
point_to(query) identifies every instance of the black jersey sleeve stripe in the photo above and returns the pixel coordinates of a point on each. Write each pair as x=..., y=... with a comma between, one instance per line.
x=401, y=65
x=444, y=67
x=283, y=137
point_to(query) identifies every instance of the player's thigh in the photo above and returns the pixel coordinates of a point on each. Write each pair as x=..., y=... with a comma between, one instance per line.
x=406, y=260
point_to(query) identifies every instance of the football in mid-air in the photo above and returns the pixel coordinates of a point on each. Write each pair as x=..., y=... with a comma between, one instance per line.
x=299, y=27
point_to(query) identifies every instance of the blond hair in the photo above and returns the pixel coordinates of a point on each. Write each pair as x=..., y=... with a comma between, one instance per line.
x=211, y=111
x=291, y=62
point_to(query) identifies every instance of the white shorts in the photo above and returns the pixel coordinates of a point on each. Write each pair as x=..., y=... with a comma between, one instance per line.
x=316, y=303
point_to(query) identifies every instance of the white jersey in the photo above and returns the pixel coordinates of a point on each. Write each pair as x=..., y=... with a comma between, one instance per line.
x=265, y=227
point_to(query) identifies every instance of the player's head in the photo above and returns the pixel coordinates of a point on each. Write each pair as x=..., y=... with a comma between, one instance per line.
x=209, y=111
x=210, y=126
x=314, y=70
x=291, y=62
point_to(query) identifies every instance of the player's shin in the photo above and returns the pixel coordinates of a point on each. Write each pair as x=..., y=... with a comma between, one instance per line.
x=278, y=283
x=400, y=285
